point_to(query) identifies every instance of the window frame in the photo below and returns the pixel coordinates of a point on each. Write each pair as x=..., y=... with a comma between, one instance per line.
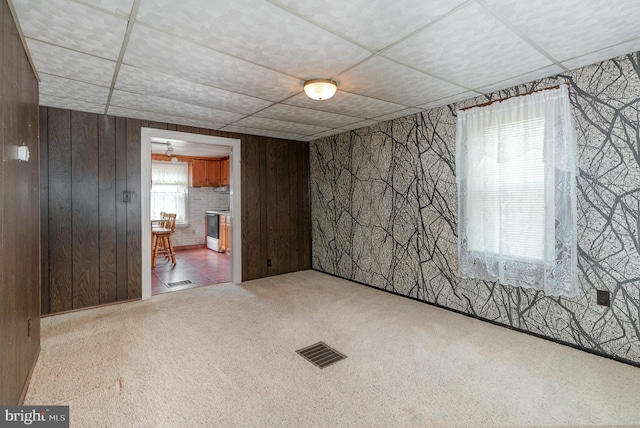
x=557, y=273
x=179, y=222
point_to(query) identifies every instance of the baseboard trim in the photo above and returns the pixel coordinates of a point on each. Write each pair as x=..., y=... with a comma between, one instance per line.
x=89, y=307
x=540, y=336
x=25, y=387
x=190, y=247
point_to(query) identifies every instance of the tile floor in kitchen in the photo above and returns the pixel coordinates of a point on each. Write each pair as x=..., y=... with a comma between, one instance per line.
x=201, y=266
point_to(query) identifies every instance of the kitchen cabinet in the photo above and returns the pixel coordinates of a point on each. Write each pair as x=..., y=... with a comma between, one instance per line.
x=224, y=172
x=213, y=173
x=205, y=173
x=225, y=233
x=198, y=173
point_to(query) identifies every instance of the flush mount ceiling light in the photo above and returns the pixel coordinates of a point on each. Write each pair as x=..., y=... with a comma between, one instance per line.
x=320, y=89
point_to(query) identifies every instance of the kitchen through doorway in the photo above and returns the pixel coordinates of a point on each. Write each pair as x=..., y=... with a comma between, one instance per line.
x=194, y=175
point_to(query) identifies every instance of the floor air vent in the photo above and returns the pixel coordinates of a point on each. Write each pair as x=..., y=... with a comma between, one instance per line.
x=321, y=355
x=173, y=284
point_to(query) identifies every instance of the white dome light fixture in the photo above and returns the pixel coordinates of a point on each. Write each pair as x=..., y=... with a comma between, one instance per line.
x=320, y=89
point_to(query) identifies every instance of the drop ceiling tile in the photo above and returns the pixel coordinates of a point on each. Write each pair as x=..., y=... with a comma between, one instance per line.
x=358, y=125
x=601, y=55
x=151, y=49
x=263, y=132
x=121, y=7
x=58, y=22
x=279, y=125
x=160, y=117
x=372, y=23
x=397, y=114
x=70, y=104
x=254, y=30
x=470, y=48
x=67, y=88
x=324, y=134
x=308, y=138
x=525, y=78
x=70, y=64
x=450, y=100
x=347, y=104
x=168, y=106
x=307, y=116
x=570, y=28
x=157, y=83
x=386, y=80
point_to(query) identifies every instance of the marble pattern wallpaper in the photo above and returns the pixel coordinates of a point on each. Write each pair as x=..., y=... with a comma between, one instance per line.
x=384, y=213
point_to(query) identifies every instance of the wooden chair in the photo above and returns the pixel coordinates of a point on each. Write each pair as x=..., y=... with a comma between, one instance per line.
x=159, y=221
x=162, y=239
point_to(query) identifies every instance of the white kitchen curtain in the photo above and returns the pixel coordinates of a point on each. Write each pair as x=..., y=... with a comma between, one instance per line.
x=516, y=168
x=169, y=187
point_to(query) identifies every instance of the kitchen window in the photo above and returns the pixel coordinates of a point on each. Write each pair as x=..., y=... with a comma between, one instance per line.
x=516, y=168
x=169, y=190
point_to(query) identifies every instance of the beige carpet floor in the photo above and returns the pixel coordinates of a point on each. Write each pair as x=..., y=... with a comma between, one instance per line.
x=224, y=356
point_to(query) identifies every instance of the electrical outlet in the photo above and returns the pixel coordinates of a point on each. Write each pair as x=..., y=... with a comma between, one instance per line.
x=603, y=297
x=268, y=262
x=29, y=327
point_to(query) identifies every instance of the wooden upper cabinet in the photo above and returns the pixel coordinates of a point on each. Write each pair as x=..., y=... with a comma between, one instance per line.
x=205, y=173
x=213, y=173
x=224, y=172
x=199, y=173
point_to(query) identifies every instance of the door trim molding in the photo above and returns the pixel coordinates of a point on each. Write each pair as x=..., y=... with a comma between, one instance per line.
x=234, y=192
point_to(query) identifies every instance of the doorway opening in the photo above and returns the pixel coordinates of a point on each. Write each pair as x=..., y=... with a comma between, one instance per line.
x=196, y=142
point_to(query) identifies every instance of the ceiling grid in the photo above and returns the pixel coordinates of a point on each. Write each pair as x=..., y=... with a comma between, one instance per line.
x=239, y=66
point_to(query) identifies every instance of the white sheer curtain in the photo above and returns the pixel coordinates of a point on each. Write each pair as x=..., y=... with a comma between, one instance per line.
x=516, y=168
x=169, y=187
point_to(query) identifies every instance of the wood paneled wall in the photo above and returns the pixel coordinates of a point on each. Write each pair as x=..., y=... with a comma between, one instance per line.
x=91, y=239
x=19, y=220
x=90, y=235
x=275, y=207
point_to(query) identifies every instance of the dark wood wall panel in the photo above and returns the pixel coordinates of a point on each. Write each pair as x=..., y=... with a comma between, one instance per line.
x=283, y=218
x=275, y=207
x=93, y=236
x=157, y=125
x=134, y=250
x=8, y=290
x=60, y=227
x=263, y=270
x=44, y=214
x=275, y=212
x=19, y=215
x=85, y=210
x=304, y=236
x=28, y=258
x=294, y=206
x=107, y=208
x=254, y=258
x=121, y=210
x=271, y=179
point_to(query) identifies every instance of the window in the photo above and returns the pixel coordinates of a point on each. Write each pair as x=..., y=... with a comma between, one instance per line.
x=169, y=190
x=516, y=167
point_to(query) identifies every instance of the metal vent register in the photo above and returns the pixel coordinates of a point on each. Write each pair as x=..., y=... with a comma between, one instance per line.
x=321, y=355
x=173, y=284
